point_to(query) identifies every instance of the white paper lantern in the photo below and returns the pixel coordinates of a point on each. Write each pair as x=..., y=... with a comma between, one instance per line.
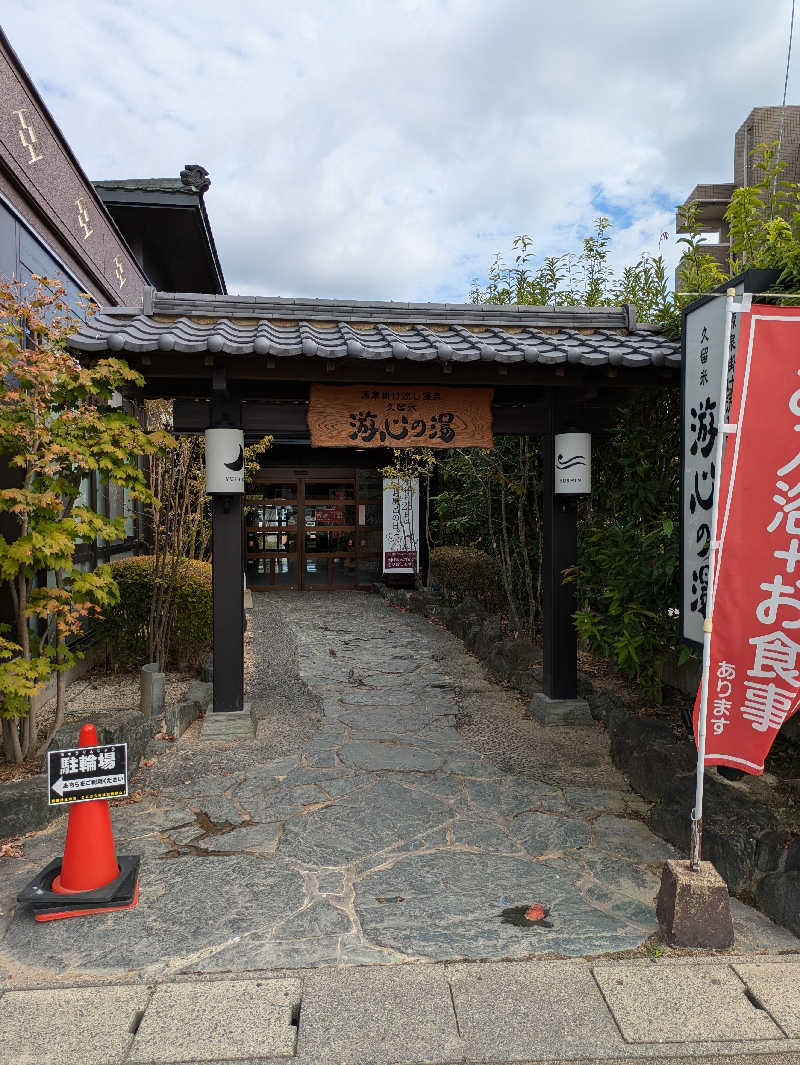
x=224, y=461
x=573, y=459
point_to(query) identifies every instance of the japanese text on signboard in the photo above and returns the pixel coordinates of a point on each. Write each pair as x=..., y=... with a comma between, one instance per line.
x=754, y=683
x=400, y=525
x=704, y=344
x=368, y=416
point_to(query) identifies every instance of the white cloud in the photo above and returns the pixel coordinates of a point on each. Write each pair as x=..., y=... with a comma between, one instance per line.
x=388, y=149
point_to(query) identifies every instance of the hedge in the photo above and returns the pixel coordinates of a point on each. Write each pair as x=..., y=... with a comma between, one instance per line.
x=461, y=571
x=125, y=627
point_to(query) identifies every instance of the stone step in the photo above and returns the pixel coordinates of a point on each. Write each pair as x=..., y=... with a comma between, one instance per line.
x=237, y=725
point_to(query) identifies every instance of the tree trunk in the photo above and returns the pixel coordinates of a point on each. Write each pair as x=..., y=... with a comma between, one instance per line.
x=522, y=530
x=506, y=561
x=11, y=743
x=61, y=680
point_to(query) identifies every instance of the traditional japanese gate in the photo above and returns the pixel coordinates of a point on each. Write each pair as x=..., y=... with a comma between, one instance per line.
x=252, y=364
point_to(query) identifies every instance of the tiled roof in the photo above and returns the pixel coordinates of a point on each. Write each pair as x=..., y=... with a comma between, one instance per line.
x=194, y=178
x=333, y=329
x=143, y=184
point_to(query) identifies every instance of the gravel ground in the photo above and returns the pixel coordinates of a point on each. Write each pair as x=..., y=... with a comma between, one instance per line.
x=289, y=715
x=105, y=691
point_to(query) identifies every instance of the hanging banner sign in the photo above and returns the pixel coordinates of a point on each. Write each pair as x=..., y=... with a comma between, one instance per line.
x=754, y=675
x=401, y=416
x=400, y=525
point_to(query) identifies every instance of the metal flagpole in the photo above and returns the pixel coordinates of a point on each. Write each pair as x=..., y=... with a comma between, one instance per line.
x=724, y=429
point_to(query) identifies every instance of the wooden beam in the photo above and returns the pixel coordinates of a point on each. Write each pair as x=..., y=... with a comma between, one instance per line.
x=289, y=417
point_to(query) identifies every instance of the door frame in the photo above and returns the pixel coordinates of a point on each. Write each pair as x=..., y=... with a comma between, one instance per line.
x=348, y=476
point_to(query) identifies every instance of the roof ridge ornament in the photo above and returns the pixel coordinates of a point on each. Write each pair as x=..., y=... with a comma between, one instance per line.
x=196, y=178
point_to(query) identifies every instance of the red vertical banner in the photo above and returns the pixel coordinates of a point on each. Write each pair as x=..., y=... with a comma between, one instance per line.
x=754, y=674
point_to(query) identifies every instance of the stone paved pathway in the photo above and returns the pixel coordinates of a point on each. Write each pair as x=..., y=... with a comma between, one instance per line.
x=362, y=826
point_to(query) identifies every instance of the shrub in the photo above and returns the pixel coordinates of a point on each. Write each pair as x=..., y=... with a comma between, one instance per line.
x=125, y=627
x=461, y=571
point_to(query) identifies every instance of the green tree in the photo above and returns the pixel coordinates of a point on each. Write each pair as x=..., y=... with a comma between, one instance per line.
x=627, y=569
x=57, y=426
x=628, y=559
x=489, y=499
x=584, y=279
x=180, y=527
x=764, y=222
x=627, y=573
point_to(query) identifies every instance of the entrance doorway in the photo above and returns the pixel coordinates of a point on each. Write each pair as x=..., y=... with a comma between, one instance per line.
x=316, y=530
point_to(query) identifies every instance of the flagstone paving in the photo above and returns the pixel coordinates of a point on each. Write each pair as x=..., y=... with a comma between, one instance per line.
x=391, y=804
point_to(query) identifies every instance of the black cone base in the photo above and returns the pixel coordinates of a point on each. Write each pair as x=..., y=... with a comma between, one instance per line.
x=48, y=905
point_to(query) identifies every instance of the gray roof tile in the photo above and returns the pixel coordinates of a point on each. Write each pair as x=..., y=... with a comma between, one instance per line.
x=330, y=329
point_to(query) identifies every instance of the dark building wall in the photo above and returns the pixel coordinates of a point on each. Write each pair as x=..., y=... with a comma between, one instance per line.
x=22, y=254
x=43, y=185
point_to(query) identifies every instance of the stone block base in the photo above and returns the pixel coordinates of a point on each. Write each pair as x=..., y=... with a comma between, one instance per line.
x=559, y=711
x=236, y=725
x=694, y=908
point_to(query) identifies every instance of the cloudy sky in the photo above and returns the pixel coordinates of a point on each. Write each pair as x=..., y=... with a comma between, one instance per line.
x=386, y=149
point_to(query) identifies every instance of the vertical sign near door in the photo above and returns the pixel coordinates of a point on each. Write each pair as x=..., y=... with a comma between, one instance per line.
x=703, y=338
x=703, y=341
x=400, y=525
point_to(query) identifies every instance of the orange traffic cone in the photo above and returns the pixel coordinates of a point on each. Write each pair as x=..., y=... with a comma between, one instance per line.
x=89, y=878
x=90, y=860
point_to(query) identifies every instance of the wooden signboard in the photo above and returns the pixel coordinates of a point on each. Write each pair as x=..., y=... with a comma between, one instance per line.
x=400, y=416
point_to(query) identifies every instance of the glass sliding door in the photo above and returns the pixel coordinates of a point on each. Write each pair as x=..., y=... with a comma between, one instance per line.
x=271, y=536
x=317, y=532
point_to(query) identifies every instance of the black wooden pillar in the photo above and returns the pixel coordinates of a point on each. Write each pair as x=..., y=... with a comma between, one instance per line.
x=560, y=552
x=228, y=572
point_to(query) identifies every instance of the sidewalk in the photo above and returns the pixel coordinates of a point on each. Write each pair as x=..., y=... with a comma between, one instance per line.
x=578, y=1011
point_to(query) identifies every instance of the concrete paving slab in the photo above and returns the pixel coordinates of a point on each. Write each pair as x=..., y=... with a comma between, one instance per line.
x=668, y=1004
x=777, y=988
x=694, y=1058
x=79, y=1024
x=227, y=1019
x=378, y=1016
x=523, y=1010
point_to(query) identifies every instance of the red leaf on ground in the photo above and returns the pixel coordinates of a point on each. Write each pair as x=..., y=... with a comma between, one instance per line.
x=536, y=912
